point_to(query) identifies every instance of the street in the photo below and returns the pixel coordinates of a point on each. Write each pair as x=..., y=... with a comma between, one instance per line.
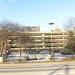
x=38, y=69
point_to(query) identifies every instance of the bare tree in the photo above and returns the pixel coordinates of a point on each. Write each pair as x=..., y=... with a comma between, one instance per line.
x=8, y=30
x=25, y=41
x=3, y=41
x=70, y=24
x=10, y=26
x=70, y=28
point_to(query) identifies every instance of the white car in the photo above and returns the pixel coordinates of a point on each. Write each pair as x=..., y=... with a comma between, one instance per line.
x=59, y=57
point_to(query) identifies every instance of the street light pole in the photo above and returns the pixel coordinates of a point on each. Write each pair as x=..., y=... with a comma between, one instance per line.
x=36, y=47
x=52, y=51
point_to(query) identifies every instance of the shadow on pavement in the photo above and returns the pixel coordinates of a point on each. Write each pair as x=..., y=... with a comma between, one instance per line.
x=64, y=68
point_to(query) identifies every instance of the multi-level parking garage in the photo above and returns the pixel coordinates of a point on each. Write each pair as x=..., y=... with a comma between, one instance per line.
x=43, y=40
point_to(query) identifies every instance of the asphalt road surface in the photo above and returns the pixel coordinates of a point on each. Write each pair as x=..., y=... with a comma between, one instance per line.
x=39, y=69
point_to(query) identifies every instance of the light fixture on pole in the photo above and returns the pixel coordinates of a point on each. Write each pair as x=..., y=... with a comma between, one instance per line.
x=52, y=51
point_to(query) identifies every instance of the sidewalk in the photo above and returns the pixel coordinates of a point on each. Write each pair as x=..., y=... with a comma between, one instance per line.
x=30, y=64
